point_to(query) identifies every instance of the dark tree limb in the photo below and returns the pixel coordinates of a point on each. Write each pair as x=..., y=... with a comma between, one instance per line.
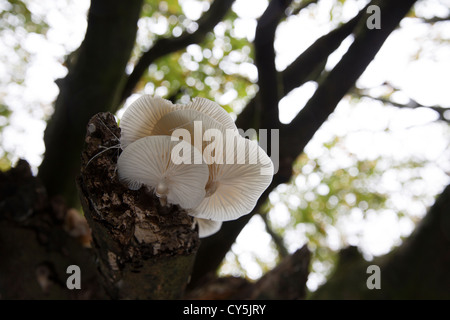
x=294, y=138
x=164, y=46
x=418, y=269
x=308, y=66
x=367, y=43
x=35, y=247
x=287, y=281
x=314, y=58
x=92, y=85
x=145, y=251
x=269, y=86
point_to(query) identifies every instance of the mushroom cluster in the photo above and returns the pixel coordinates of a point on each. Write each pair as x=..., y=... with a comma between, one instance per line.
x=193, y=156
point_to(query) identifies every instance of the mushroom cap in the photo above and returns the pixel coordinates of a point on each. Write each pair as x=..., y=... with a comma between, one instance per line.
x=188, y=119
x=212, y=110
x=207, y=227
x=196, y=125
x=150, y=161
x=235, y=186
x=141, y=116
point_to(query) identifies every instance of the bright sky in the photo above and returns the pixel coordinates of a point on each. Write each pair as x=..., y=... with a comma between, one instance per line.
x=411, y=131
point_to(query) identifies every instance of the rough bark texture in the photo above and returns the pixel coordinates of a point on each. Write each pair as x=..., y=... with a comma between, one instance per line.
x=145, y=251
x=287, y=281
x=38, y=242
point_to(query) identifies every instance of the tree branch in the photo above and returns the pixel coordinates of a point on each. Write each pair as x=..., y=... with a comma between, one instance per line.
x=412, y=104
x=294, y=138
x=434, y=19
x=277, y=239
x=35, y=248
x=302, y=5
x=344, y=75
x=145, y=251
x=307, y=66
x=287, y=281
x=418, y=269
x=91, y=86
x=313, y=60
x=164, y=46
x=269, y=85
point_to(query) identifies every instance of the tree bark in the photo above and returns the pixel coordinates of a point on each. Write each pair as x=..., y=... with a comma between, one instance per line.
x=36, y=247
x=295, y=135
x=418, y=269
x=145, y=251
x=92, y=85
x=287, y=281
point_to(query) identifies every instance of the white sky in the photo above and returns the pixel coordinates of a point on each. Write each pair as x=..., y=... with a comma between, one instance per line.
x=411, y=133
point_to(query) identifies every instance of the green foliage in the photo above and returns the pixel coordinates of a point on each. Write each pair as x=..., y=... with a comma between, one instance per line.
x=210, y=69
x=15, y=14
x=17, y=22
x=332, y=186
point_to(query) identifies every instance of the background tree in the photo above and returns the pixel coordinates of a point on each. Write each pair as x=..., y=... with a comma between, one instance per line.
x=200, y=58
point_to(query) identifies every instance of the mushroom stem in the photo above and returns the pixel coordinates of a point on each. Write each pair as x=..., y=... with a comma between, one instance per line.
x=163, y=200
x=162, y=189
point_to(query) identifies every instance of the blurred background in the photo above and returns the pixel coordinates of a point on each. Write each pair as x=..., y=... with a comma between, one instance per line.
x=365, y=179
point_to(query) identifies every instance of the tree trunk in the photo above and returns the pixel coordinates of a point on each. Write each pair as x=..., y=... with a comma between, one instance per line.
x=145, y=251
x=36, y=247
x=93, y=85
x=418, y=269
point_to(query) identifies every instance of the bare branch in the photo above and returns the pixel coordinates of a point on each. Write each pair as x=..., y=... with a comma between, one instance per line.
x=302, y=5
x=277, y=239
x=312, y=61
x=434, y=20
x=294, y=138
x=268, y=83
x=308, y=66
x=412, y=104
x=344, y=75
x=165, y=46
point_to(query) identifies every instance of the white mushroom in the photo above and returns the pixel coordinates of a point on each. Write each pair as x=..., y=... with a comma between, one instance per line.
x=235, y=186
x=212, y=110
x=207, y=227
x=141, y=116
x=224, y=188
x=150, y=161
x=195, y=122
